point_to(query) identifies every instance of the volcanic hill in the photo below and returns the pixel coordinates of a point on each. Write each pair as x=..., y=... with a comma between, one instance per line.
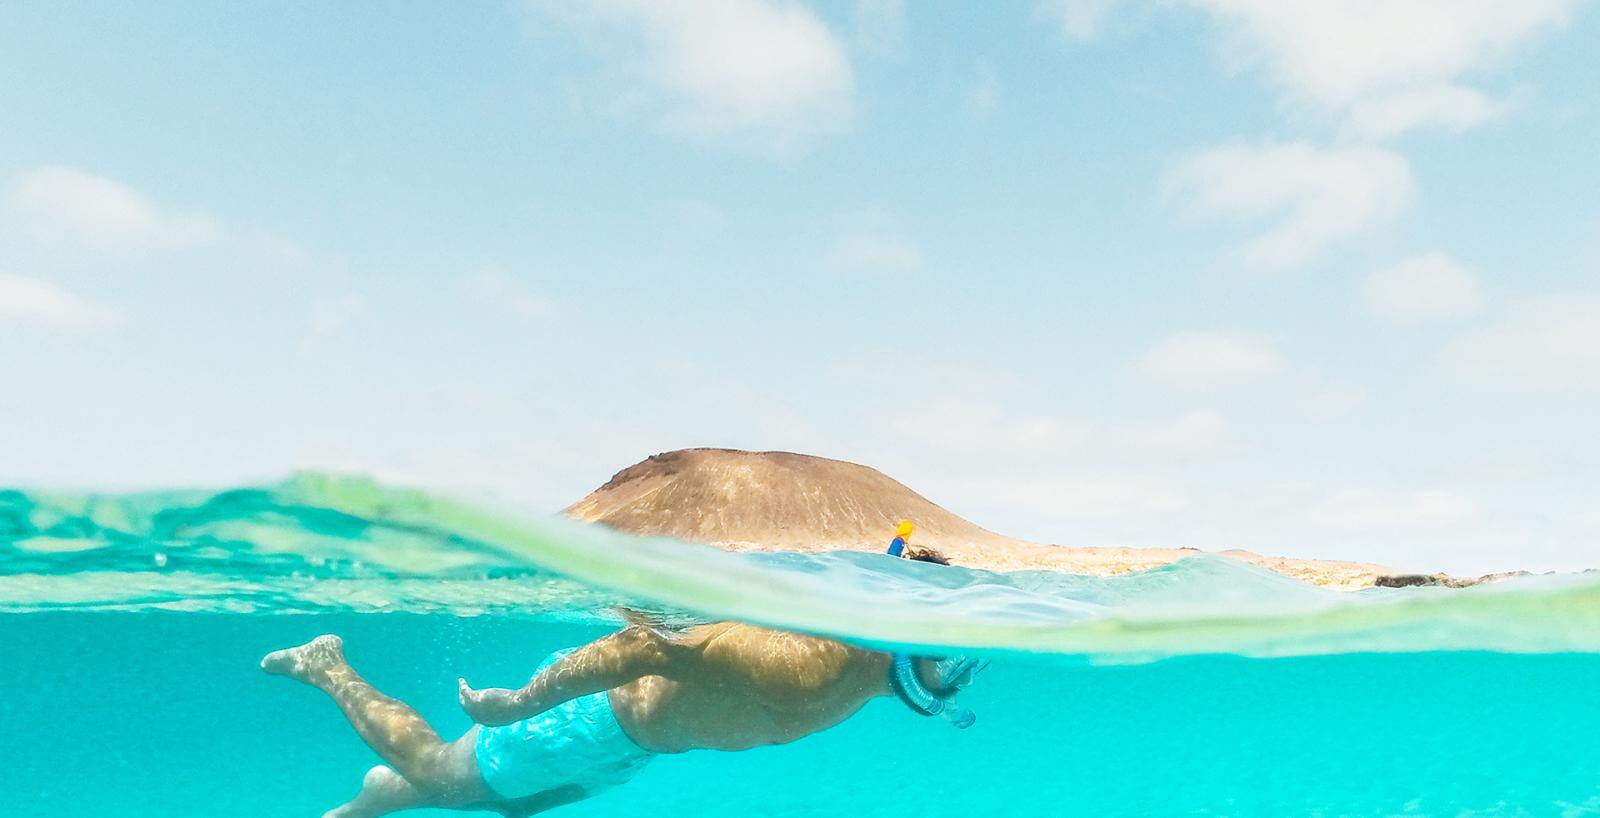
x=780, y=501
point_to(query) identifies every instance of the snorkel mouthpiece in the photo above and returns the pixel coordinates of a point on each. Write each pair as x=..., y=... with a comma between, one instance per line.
x=960, y=717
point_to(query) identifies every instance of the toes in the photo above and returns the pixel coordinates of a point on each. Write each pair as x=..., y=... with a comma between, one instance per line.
x=278, y=662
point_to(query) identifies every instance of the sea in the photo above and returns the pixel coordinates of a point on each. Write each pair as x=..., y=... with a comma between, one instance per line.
x=131, y=627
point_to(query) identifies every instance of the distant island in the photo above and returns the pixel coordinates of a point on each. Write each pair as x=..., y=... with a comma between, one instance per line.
x=781, y=501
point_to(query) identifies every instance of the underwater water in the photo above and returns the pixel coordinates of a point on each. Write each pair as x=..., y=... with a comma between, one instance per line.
x=130, y=629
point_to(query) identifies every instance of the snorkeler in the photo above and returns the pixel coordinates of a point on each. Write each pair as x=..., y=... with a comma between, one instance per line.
x=591, y=717
x=902, y=538
x=901, y=547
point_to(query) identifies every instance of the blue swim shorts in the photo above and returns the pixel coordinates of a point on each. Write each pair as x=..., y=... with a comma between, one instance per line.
x=577, y=742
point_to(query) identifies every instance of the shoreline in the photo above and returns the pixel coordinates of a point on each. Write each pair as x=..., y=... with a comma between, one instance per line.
x=1102, y=561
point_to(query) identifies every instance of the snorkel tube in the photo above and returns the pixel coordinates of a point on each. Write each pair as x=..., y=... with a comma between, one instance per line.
x=908, y=687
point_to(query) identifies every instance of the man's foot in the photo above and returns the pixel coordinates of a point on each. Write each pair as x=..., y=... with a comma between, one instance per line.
x=306, y=661
x=492, y=706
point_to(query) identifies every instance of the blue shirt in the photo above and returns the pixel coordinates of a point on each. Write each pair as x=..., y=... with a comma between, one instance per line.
x=897, y=546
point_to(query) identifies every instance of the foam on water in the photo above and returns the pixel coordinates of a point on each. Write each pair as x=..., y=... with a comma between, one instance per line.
x=318, y=543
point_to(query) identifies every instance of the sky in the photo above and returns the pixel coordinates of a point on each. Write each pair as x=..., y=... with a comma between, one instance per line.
x=1317, y=279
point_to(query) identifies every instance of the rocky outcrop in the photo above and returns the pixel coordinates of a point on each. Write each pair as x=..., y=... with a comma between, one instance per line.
x=1441, y=580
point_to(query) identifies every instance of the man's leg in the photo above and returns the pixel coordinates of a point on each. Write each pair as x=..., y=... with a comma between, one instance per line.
x=600, y=665
x=446, y=774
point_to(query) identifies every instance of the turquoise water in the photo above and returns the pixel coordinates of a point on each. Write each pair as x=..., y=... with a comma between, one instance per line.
x=132, y=626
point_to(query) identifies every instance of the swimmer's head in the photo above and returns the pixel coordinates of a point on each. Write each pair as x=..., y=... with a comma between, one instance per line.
x=904, y=530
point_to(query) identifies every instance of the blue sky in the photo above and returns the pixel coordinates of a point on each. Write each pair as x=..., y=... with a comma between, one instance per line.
x=1319, y=279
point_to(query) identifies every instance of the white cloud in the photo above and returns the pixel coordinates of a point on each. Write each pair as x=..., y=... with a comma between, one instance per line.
x=481, y=400
x=37, y=302
x=880, y=25
x=503, y=291
x=1201, y=431
x=1318, y=400
x=876, y=253
x=59, y=202
x=1367, y=509
x=765, y=70
x=1546, y=345
x=985, y=91
x=330, y=317
x=690, y=227
x=1078, y=19
x=1200, y=361
x=1389, y=64
x=951, y=379
x=1425, y=286
x=1449, y=106
x=1309, y=196
x=1105, y=497
x=980, y=427
x=484, y=451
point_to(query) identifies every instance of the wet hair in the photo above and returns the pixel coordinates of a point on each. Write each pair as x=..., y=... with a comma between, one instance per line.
x=927, y=556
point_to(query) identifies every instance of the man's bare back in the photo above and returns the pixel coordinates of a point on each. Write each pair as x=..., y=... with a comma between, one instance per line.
x=723, y=686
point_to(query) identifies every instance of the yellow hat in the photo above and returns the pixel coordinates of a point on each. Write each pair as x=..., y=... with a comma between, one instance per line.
x=904, y=530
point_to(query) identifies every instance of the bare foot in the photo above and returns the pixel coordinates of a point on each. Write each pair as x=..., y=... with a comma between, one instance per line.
x=491, y=706
x=306, y=661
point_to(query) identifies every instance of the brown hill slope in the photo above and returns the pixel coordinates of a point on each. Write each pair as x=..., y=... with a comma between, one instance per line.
x=782, y=501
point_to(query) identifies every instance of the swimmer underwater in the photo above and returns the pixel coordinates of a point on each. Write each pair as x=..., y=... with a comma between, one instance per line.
x=593, y=716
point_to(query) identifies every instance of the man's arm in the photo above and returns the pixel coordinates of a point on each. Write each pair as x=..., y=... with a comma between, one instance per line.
x=600, y=665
